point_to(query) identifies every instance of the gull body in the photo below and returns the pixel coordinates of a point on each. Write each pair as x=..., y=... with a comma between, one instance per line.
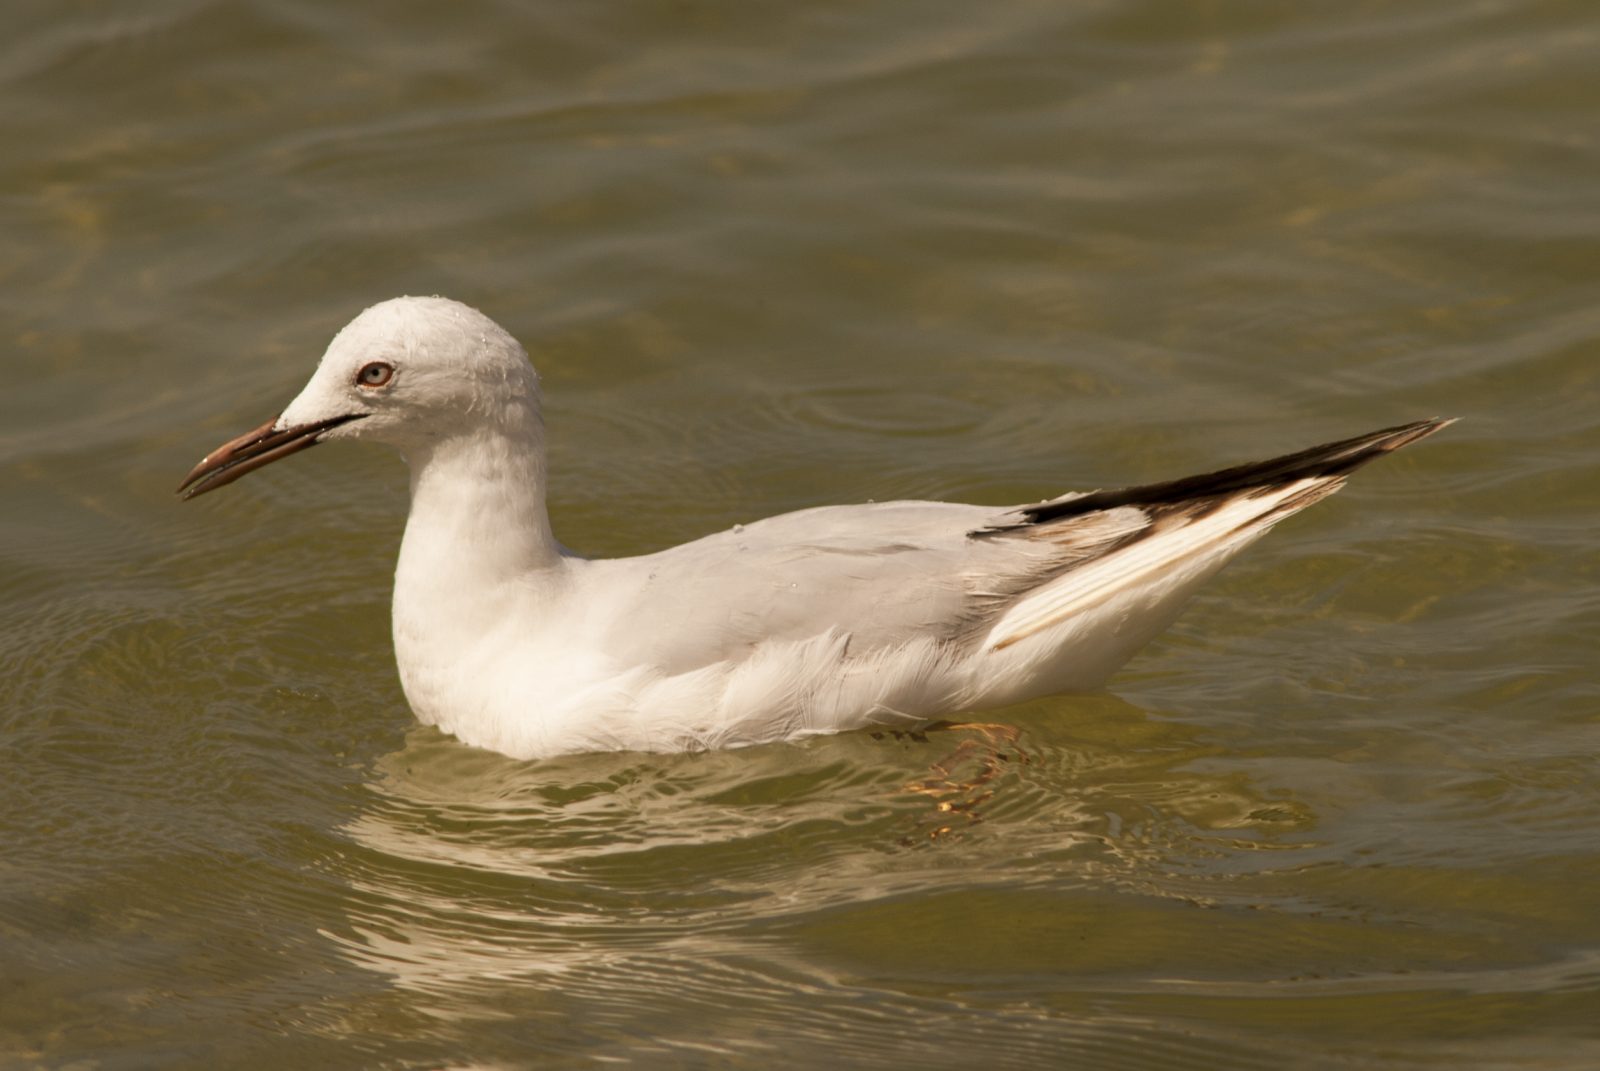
x=823, y=620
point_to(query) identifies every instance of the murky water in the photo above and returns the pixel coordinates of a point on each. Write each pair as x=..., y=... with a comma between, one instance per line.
x=773, y=256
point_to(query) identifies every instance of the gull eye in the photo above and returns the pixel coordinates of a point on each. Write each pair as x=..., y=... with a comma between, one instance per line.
x=374, y=374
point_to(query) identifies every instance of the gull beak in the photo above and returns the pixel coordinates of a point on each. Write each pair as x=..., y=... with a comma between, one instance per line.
x=253, y=449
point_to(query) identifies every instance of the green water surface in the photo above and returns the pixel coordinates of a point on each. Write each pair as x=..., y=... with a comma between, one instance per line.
x=770, y=256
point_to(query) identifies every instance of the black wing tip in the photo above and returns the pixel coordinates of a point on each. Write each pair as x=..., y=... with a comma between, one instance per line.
x=1329, y=460
x=1400, y=435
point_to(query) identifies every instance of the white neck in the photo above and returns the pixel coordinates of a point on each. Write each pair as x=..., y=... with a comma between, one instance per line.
x=477, y=548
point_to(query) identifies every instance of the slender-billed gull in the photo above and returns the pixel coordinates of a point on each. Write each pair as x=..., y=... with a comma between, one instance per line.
x=836, y=618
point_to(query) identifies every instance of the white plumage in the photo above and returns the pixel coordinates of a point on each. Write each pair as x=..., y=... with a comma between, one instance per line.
x=823, y=620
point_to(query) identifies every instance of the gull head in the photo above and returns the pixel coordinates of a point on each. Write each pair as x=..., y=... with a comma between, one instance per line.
x=411, y=372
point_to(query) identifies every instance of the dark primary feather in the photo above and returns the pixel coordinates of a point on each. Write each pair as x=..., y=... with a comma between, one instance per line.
x=1076, y=530
x=1329, y=459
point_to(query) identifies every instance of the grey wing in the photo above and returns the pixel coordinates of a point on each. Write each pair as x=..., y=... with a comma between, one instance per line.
x=885, y=573
x=882, y=574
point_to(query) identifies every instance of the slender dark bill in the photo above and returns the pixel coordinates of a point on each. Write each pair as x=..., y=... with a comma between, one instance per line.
x=253, y=449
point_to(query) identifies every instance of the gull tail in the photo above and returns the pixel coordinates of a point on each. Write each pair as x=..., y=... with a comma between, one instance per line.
x=1167, y=537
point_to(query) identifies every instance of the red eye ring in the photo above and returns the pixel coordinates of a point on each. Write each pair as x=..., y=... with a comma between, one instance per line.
x=374, y=374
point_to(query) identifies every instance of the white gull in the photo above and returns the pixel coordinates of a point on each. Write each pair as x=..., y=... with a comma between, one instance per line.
x=829, y=619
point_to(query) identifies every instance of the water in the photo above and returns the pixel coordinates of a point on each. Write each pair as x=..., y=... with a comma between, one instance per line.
x=768, y=257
